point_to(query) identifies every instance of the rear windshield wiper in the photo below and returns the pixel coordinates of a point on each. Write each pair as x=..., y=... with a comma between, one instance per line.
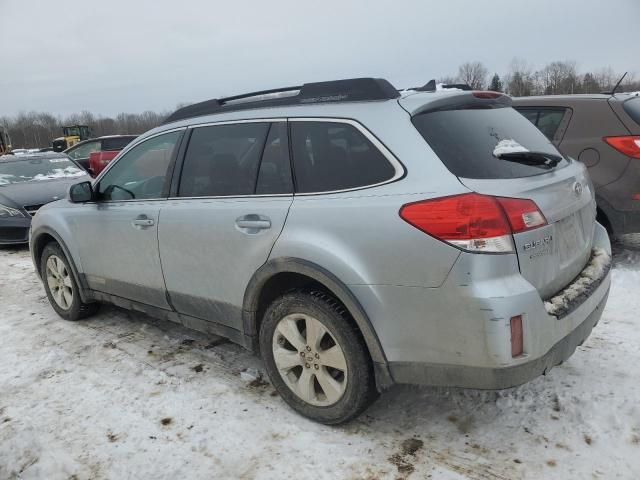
x=536, y=159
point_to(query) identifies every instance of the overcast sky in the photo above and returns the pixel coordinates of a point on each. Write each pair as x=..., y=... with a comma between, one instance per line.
x=109, y=56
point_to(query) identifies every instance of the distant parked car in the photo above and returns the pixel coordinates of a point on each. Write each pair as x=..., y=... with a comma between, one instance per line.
x=81, y=152
x=26, y=183
x=603, y=132
x=355, y=236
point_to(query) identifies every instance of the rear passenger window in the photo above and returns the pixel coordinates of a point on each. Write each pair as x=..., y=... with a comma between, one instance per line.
x=546, y=119
x=549, y=121
x=331, y=156
x=275, y=169
x=223, y=160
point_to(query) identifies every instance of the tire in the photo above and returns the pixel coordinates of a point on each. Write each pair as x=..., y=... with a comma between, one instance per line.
x=326, y=384
x=62, y=290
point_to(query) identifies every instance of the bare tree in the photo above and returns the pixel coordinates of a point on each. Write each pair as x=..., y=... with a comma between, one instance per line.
x=473, y=74
x=37, y=129
x=447, y=79
x=520, y=81
x=606, y=78
x=558, y=77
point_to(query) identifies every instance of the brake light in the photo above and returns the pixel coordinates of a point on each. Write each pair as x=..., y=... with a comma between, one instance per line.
x=628, y=144
x=474, y=222
x=485, y=94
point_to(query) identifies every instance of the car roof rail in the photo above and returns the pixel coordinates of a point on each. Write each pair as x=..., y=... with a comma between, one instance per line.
x=349, y=90
x=431, y=86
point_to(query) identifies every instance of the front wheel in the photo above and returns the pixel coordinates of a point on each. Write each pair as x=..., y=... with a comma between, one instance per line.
x=60, y=285
x=316, y=358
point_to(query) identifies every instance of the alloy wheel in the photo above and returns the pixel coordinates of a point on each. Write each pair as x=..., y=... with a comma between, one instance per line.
x=59, y=282
x=309, y=359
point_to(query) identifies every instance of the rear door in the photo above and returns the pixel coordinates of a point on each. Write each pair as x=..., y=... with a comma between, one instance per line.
x=228, y=208
x=468, y=142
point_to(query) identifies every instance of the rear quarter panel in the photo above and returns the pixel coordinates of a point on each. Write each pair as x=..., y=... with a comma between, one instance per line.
x=592, y=120
x=359, y=235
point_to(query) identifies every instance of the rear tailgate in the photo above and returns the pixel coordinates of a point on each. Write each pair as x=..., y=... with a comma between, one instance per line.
x=551, y=256
x=627, y=108
x=470, y=134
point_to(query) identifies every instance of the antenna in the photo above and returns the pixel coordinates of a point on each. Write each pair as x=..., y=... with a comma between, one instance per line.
x=612, y=92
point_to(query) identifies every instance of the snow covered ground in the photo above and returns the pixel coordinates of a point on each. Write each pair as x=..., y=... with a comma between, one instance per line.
x=125, y=396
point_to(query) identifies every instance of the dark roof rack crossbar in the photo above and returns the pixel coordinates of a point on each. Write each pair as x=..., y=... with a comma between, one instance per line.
x=350, y=90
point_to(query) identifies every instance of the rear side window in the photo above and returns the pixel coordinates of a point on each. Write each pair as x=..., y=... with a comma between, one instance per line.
x=331, y=156
x=465, y=141
x=632, y=107
x=223, y=160
x=547, y=120
x=114, y=144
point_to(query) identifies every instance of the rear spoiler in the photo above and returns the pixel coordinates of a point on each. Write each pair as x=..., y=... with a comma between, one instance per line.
x=463, y=101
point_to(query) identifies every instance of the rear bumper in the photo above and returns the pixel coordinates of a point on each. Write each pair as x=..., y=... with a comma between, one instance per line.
x=498, y=378
x=628, y=222
x=459, y=334
x=620, y=221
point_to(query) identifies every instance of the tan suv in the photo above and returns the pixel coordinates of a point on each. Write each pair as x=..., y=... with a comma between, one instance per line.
x=603, y=132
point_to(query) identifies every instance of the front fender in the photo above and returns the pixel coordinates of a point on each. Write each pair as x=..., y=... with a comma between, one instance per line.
x=45, y=226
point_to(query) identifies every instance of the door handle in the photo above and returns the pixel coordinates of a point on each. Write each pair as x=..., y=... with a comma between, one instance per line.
x=253, y=222
x=143, y=221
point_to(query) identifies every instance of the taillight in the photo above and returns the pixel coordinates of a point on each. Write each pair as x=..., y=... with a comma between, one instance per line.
x=628, y=144
x=523, y=214
x=474, y=222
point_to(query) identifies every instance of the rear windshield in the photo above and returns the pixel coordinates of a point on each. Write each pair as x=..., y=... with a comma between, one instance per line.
x=468, y=140
x=632, y=107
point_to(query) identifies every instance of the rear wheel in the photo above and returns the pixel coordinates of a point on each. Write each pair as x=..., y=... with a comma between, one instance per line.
x=315, y=357
x=60, y=285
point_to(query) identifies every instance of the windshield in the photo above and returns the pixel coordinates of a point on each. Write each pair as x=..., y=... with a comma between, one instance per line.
x=471, y=142
x=71, y=131
x=37, y=169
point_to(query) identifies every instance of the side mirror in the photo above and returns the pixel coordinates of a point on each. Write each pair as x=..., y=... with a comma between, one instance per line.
x=80, y=192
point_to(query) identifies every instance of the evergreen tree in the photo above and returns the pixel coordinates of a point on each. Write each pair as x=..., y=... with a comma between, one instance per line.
x=496, y=83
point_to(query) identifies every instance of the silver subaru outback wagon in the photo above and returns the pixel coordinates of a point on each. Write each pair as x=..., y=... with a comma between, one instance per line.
x=354, y=235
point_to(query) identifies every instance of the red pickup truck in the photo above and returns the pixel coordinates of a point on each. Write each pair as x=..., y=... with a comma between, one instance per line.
x=99, y=160
x=94, y=154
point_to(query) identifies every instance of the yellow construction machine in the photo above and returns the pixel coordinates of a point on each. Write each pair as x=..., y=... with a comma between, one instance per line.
x=72, y=134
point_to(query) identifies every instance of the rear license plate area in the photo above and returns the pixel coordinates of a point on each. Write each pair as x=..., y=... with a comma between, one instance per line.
x=570, y=240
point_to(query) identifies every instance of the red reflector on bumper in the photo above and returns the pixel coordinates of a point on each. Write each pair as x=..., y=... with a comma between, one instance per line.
x=516, y=336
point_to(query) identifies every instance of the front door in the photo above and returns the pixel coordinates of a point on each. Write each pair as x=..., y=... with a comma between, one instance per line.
x=118, y=234
x=233, y=197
